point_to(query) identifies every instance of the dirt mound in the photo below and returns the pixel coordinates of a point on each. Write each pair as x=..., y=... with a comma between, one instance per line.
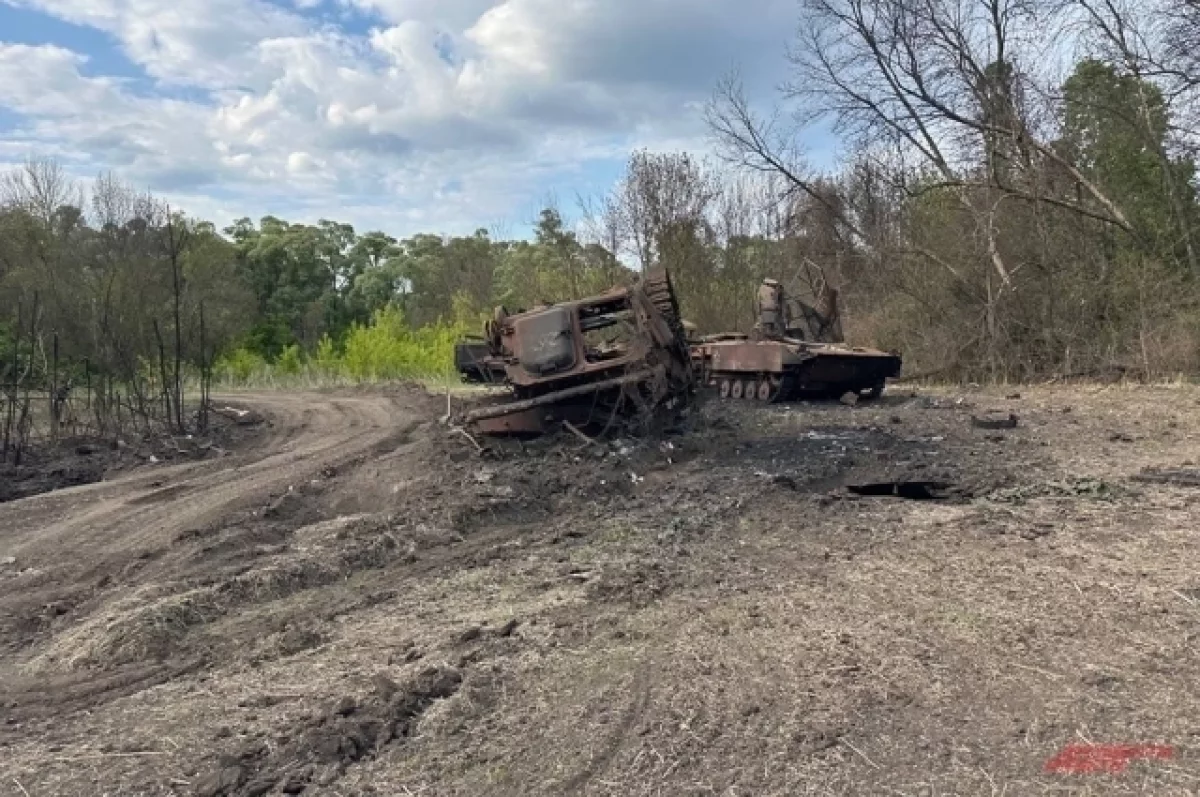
x=352, y=729
x=154, y=622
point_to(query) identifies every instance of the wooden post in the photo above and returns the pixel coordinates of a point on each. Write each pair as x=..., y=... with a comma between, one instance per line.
x=11, y=392
x=55, y=407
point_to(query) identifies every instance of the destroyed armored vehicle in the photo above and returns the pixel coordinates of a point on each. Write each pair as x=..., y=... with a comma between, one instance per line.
x=620, y=354
x=474, y=362
x=795, y=351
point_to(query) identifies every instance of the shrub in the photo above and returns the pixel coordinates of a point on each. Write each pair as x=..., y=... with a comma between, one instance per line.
x=389, y=349
x=385, y=349
x=290, y=361
x=326, y=358
x=239, y=365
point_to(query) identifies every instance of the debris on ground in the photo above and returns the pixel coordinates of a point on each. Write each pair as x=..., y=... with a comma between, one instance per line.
x=612, y=616
x=995, y=421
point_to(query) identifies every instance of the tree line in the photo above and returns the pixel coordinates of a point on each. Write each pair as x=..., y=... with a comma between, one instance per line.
x=1019, y=194
x=1004, y=210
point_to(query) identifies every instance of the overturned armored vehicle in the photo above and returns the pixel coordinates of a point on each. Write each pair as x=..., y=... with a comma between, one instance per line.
x=475, y=364
x=795, y=351
x=619, y=355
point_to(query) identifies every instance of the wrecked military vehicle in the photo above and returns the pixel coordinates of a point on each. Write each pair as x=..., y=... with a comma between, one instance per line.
x=795, y=351
x=617, y=357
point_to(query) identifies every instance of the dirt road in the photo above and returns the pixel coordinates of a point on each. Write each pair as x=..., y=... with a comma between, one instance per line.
x=137, y=512
x=356, y=602
x=75, y=548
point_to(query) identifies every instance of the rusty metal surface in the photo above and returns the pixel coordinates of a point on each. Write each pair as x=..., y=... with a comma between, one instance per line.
x=754, y=357
x=800, y=369
x=622, y=352
x=794, y=351
x=499, y=410
x=528, y=422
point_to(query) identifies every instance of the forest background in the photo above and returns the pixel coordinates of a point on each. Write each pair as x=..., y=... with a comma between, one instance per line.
x=1007, y=207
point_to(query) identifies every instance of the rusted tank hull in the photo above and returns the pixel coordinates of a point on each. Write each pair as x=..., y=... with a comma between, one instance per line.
x=621, y=354
x=773, y=370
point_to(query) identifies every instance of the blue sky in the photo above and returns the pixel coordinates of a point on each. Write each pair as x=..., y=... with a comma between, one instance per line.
x=405, y=115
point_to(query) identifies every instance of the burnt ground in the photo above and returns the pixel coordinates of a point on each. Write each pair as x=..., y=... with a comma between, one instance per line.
x=75, y=460
x=357, y=602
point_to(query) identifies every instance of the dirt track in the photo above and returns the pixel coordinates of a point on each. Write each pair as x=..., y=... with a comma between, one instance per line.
x=355, y=602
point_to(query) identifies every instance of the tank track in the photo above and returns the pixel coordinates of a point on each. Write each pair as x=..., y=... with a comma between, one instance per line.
x=659, y=289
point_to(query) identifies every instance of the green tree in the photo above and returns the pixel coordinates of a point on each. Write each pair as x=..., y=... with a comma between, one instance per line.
x=1115, y=128
x=437, y=269
x=300, y=275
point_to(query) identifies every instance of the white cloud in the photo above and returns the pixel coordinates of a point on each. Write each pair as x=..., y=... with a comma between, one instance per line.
x=264, y=106
x=95, y=122
x=455, y=14
x=192, y=42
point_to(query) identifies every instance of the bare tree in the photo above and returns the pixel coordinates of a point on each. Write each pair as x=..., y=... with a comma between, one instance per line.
x=176, y=241
x=604, y=222
x=946, y=80
x=1182, y=19
x=661, y=192
x=770, y=146
x=41, y=188
x=945, y=98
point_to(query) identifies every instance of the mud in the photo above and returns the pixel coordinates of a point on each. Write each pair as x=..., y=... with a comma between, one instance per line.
x=356, y=600
x=325, y=745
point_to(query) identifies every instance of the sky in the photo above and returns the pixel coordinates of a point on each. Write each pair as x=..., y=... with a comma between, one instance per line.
x=409, y=116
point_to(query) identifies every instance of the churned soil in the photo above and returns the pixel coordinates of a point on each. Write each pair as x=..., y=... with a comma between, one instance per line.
x=915, y=595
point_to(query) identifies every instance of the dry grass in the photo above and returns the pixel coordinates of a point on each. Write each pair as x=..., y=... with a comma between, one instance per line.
x=722, y=636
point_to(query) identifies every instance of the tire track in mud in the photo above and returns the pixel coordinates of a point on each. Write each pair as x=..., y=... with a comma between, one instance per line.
x=608, y=752
x=69, y=545
x=133, y=512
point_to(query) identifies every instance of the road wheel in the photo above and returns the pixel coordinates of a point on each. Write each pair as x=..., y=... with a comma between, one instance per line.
x=736, y=389
x=764, y=390
x=724, y=389
x=751, y=390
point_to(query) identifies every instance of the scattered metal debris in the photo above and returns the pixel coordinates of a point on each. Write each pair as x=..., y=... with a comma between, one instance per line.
x=995, y=422
x=473, y=360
